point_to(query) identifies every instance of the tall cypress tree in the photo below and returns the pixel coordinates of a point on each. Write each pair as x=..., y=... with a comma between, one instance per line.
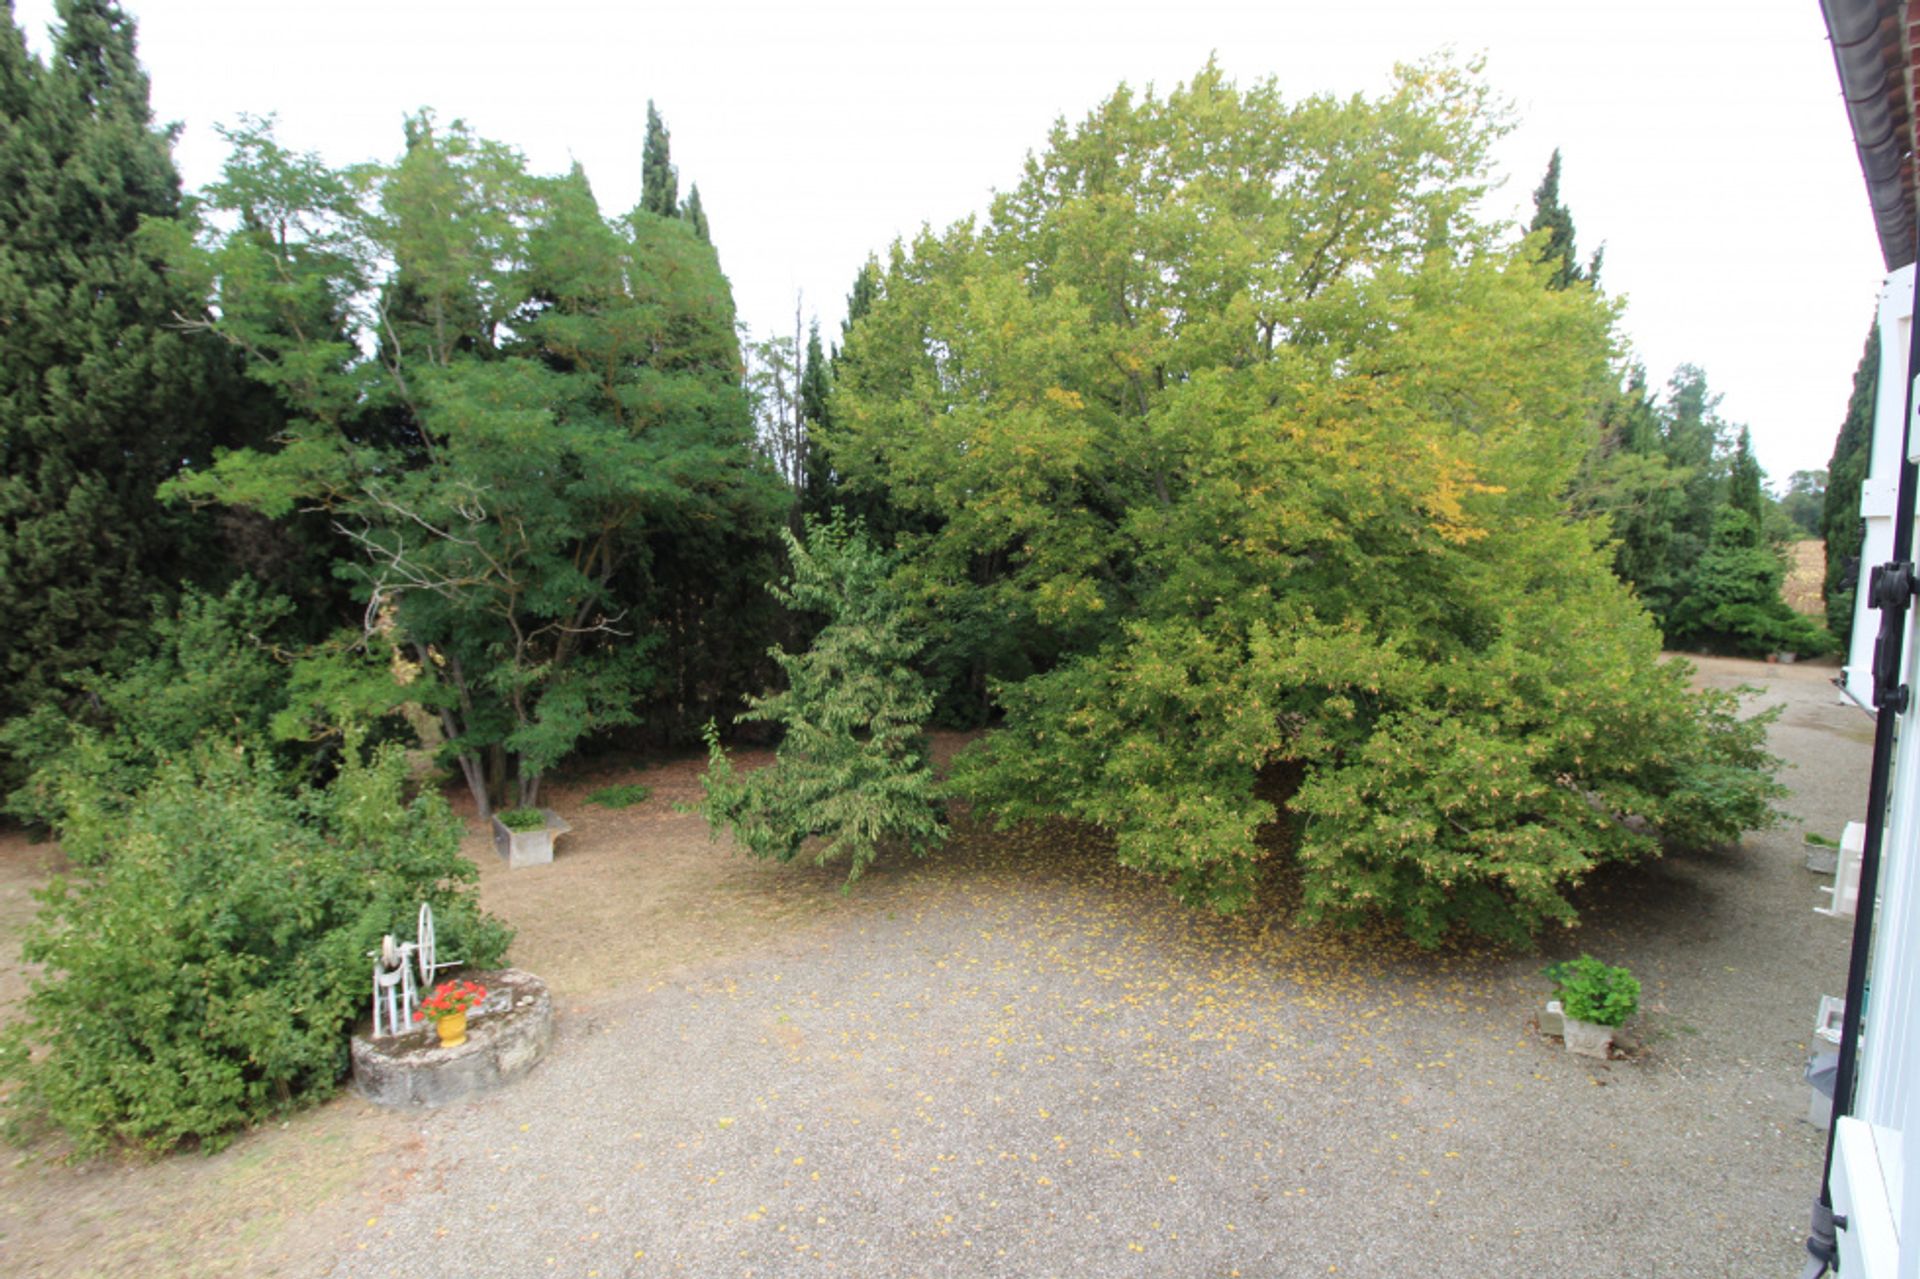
x=695, y=215
x=816, y=384
x=1743, y=484
x=102, y=396
x=1551, y=216
x=1846, y=472
x=659, y=182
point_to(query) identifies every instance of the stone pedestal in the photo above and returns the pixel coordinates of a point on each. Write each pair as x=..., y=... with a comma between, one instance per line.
x=506, y=1034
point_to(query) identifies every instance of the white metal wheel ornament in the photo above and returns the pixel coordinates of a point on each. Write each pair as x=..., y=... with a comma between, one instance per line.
x=395, y=994
x=393, y=989
x=423, y=946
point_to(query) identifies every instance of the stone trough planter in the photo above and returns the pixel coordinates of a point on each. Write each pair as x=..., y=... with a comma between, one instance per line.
x=1588, y=1038
x=507, y=1033
x=529, y=847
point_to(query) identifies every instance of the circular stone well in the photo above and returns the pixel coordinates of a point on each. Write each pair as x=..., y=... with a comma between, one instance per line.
x=506, y=1034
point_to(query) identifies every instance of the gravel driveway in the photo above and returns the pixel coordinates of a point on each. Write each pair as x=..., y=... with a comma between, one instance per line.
x=1036, y=1064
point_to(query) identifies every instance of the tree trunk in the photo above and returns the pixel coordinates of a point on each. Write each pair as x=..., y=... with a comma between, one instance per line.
x=470, y=766
x=497, y=774
x=476, y=783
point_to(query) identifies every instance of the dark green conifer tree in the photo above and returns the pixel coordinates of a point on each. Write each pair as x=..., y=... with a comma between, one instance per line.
x=659, y=181
x=696, y=215
x=1690, y=434
x=1743, y=483
x=1628, y=479
x=1659, y=476
x=1840, y=518
x=816, y=383
x=1733, y=602
x=102, y=393
x=1551, y=216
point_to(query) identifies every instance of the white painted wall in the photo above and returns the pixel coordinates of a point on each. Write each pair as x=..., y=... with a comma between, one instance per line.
x=1883, y=475
x=1874, y=1146
x=1872, y=1186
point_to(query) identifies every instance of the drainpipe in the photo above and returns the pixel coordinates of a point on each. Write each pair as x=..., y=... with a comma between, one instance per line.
x=1891, y=588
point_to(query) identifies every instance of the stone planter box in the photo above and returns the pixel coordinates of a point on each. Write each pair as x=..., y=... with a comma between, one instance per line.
x=1822, y=1068
x=529, y=847
x=1588, y=1038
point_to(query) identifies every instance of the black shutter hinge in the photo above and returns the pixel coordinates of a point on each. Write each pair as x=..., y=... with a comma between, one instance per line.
x=1890, y=589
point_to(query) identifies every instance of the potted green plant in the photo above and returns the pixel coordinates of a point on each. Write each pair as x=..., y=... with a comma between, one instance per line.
x=1595, y=998
x=524, y=836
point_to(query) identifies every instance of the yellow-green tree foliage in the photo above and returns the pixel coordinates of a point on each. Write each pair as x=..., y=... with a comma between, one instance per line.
x=1238, y=445
x=853, y=771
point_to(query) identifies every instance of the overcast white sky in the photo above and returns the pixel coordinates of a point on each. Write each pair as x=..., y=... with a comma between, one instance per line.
x=1704, y=140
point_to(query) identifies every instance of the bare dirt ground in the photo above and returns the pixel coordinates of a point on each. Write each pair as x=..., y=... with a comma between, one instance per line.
x=632, y=894
x=1014, y=1046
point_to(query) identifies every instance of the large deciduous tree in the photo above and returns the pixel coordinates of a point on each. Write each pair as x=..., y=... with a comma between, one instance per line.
x=1233, y=453
x=549, y=425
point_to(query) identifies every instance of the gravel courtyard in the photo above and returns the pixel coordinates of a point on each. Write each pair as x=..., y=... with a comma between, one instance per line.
x=1019, y=1060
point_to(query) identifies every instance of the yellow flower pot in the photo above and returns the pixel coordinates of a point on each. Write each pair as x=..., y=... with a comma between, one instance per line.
x=453, y=1029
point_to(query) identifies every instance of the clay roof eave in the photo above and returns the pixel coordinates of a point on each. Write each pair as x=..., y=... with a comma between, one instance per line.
x=1873, y=53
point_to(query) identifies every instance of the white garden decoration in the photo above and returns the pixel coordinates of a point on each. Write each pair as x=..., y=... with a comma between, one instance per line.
x=394, y=991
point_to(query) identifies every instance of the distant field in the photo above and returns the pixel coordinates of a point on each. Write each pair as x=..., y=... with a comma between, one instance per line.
x=1808, y=568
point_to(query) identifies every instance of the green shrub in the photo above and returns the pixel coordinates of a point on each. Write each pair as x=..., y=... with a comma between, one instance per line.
x=1591, y=991
x=853, y=770
x=625, y=795
x=522, y=819
x=203, y=667
x=1733, y=604
x=206, y=972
